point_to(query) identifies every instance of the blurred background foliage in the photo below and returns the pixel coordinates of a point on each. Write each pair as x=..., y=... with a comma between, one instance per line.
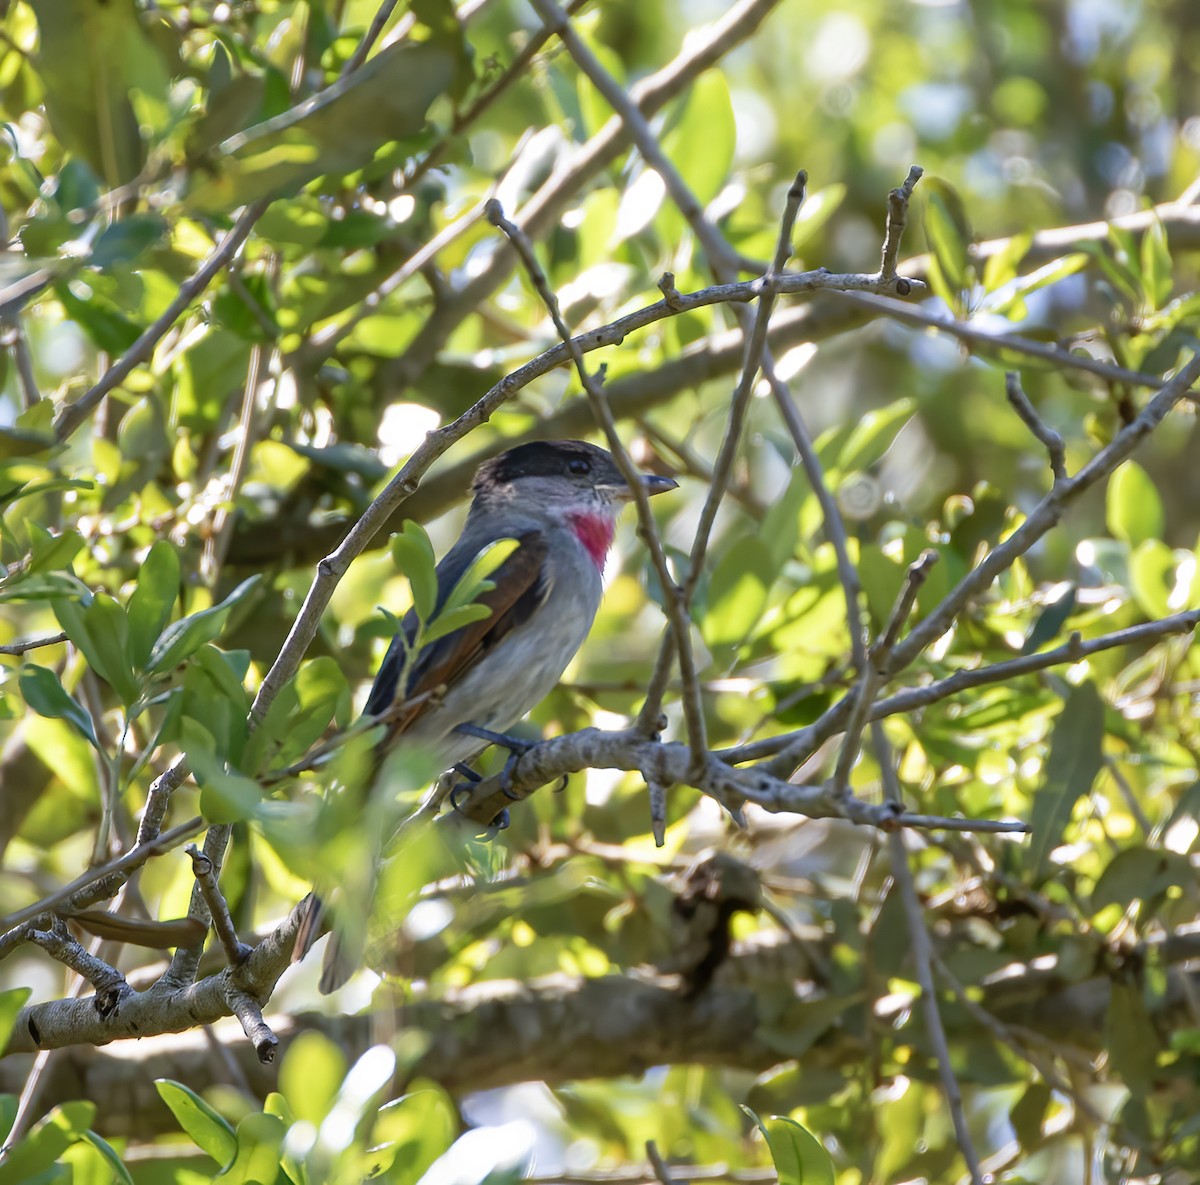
x=172, y=533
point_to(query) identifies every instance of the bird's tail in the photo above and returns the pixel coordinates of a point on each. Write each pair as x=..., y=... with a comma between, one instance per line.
x=313, y=924
x=341, y=959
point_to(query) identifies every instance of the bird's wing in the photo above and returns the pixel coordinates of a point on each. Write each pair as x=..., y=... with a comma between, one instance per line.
x=520, y=587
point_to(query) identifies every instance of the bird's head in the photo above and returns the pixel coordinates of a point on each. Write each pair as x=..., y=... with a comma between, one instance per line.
x=567, y=481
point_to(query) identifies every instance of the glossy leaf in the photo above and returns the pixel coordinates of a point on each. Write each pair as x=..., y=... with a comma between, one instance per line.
x=213, y=1135
x=46, y=1142
x=47, y=696
x=183, y=638
x=412, y=553
x=798, y=1156
x=153, y=600
x=1076, y=756
x=1133, y=506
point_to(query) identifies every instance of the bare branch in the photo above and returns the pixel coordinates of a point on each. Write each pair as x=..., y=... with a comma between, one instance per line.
x=235, y=951
x=32, y=644
x=897, y=219
x=809, y=738
x=83, y=890
x=876, y=669
x=164, y=1008
x=73, y=415
x=109, y=983
x=669, y=764
x=1047, y=514
x=1029, y=417
x=922, y=951
x=996, y=343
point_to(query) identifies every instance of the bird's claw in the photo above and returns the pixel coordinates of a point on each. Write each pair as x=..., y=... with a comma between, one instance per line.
x=456, y=798
x=456, y=795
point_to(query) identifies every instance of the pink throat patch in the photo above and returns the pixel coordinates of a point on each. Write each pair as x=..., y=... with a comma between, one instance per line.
x=595, y=532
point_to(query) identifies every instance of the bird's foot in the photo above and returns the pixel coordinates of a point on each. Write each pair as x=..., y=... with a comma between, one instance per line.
x=517, y=748
x=515, y=745
x=462, y=789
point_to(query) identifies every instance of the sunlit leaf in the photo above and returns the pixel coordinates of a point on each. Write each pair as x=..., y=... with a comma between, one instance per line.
x=1076, y=756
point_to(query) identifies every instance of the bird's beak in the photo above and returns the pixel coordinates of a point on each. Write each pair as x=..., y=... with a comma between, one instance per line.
x=652, y=484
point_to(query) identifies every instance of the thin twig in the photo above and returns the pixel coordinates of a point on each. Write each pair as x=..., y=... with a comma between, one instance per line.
x=1029, y=417
x=517, y=70
x=807, y=739
x=14, y=339
x=897, y=219
x=662, y=1174
x=325, y=341
x=73, y=415
x=374, y=29
x=876, y=669
x=32, y=644
x=76, y=894
x=1007, y=1037
x=922, y=951
x=235, y=951
x=216, y=546
x=1047, y=514
x=249, y=1012
x=995, y=343
x=58, y=942
x=835, y=528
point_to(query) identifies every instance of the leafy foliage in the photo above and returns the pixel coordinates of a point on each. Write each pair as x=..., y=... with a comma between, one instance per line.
x=173, y=537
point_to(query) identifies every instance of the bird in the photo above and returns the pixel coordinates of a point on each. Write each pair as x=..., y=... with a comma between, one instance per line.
x=559, y=501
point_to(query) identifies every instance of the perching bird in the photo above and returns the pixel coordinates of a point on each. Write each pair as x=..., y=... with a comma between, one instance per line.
x=559, y=500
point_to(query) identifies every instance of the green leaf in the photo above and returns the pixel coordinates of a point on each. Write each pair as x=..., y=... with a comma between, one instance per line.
x=92, y=56
x=115, y=1164
x=183, y=638
x=947, y=242
x=46, y=1142
x=1011, y=296
x=319, y=694
x=213, y=1134
x=1131, y=1039
x=213, y=694
x=11, y=1002
x=1050, y=621
x=47, y=697
x=737, y=592
x=152, y=601
x=454, y=619
x=1133, y=506
x=412, y=553
x=817, y=210
x=874, y=434
x=1157, y=273
x=47, y=552
x=1152, y=573
x=475, y=580
x=1076, y=755
x=799, y=1157
x=100, y=629
x=312, y=1071
x=701, y=144
x=781, y=524
x=339, y=130
x=1001, y=267
x=124, y=241
x=259, y=1140
x=1140, y=874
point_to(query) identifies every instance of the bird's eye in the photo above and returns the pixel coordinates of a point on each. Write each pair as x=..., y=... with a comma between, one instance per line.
x=579, y=465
